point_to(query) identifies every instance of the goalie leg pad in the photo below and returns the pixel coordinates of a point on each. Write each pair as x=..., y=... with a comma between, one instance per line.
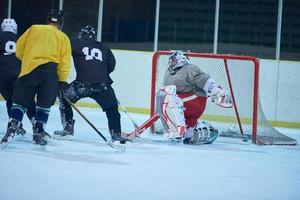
x=204, y=133
x=170, y=108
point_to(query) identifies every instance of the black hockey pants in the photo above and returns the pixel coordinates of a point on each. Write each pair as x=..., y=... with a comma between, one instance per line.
x=6, y=90
x=104, y=95
x=42, y=82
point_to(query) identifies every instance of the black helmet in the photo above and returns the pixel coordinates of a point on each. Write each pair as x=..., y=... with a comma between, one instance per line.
x=56, y=16
x=87, y=32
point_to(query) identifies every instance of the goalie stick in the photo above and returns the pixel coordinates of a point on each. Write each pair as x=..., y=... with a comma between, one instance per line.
x=142, y=128
x=117, y=147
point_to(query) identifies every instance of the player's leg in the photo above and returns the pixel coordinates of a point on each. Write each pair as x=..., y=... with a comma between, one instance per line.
x=6, y=90
x=194, y=108
x=197, y=132
x=170, y=108
x=23, y=92
x=66, y=112
x=46, y=93
x=108, y=102
x=31, y=110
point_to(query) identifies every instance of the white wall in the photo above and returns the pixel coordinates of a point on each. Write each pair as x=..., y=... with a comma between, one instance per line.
x=279, y=84
x=132, y=78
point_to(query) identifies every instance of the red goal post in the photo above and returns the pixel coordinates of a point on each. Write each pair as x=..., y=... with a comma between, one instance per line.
x=240, y=75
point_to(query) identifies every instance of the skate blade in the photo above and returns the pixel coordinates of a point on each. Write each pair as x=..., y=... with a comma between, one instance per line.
x=117, y=147
x=4, y=144
x=130, y=136
x=67, y=138
x=38, y=146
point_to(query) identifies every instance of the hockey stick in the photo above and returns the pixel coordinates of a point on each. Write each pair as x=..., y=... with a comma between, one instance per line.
x=136, y=126
x=143, y=127
x=120, y=148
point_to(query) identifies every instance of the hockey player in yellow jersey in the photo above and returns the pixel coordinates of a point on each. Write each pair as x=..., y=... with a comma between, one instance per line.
x=45, y=52
x=42, y=44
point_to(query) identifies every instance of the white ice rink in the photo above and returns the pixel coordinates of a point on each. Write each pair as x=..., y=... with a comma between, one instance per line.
x=150, y=169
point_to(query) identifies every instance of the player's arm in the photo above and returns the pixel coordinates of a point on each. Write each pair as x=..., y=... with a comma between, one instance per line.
x=64, y=66
x=217, y=94
x=111, y=61
x=196, y=77
x=20, y=45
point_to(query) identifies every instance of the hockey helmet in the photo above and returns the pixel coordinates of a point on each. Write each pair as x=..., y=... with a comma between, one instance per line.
x=9, y=25
x=56, y=16
x=87, y=32
x=178, y=59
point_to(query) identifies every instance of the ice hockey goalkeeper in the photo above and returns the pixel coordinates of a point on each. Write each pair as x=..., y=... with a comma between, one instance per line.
x=182, y=100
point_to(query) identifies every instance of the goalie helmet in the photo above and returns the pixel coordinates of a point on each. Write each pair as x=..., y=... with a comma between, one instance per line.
x=178, y=59
x=56, y=16
x=9, y=25
x=87, y=32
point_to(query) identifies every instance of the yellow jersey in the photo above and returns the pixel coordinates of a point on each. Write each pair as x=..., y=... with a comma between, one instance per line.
x=41, y=44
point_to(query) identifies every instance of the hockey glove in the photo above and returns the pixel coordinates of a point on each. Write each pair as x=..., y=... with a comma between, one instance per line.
x=63, y=86
x=221, y=97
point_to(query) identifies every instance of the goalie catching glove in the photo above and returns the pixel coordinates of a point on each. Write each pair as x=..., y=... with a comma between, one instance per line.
x=222, y=98
x=218, y=95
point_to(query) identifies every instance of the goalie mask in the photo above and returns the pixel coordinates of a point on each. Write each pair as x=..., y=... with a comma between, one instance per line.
x=87, y=32
x=177, y=60
x=9, y=25
x=57, y=17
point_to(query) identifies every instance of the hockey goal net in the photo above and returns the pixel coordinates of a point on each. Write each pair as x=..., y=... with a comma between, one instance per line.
x=240, y=75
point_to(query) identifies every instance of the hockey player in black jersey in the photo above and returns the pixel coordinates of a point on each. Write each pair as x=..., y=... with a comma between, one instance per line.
x=10, y=68
x=93, y=63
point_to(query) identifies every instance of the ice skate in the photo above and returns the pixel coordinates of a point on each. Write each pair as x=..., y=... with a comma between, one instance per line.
x=10, y=133
x=118, y=137
x=20, y=130
x=38, y=134
x=67, y=133
x=45, y=135
x=193, y=139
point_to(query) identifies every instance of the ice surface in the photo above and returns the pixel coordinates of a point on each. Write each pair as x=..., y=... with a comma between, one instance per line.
x=150, y=169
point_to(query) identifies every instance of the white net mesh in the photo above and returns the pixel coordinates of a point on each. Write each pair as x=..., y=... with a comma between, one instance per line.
x=243, y=76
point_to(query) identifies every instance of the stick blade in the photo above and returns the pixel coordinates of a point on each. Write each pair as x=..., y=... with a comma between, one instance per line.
x=139, y=130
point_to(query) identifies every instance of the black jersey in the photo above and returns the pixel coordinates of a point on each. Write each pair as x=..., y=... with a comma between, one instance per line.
x=93, y=61
x=10, y=66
